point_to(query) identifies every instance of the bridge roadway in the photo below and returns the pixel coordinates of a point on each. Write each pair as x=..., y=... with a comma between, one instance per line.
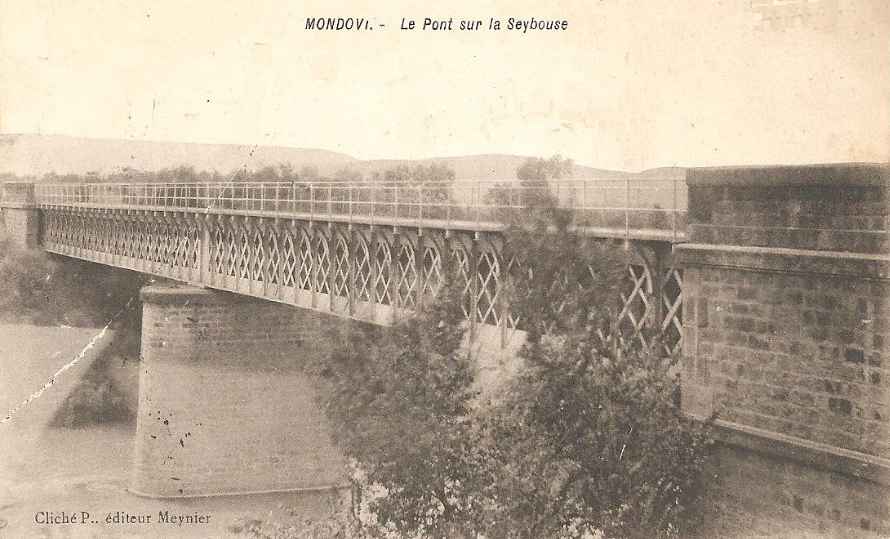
x=369, y=251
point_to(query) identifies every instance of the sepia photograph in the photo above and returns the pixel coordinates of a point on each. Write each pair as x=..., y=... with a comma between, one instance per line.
x=587, y=269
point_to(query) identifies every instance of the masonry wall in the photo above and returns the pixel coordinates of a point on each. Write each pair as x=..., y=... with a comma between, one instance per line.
x=21, y=219
x=22, y=226
x=786, y=340
x=223, y=404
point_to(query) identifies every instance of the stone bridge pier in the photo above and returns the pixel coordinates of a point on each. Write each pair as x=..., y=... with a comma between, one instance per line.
x=21, y=217
x=224, y=407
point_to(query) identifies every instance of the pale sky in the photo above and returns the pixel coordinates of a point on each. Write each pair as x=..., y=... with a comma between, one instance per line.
x=629, y=85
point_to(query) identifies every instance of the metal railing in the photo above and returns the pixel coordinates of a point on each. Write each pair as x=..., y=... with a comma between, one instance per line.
x=623, y=207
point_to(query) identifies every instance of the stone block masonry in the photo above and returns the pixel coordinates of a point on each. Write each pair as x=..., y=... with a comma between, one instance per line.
x=21, y=218
x=787, y=339
x=224, y=407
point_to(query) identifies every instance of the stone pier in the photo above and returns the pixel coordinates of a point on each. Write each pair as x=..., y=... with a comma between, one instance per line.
x=223, y=405
x=21, y=217
x=786, y=333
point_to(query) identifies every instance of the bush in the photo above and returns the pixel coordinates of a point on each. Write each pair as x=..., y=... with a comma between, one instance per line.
x=40, y=288
x=586, y=440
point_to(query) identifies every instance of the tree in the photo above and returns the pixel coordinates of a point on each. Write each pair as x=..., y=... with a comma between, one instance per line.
x=404, y=188
x=536, y=169
x=510, y=201
x=400, y=402
x=587, y=438
x=309, y=173
x=591, y=425
x=266, y=174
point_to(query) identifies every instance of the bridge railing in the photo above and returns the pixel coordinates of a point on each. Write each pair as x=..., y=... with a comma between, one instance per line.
x=621, y=207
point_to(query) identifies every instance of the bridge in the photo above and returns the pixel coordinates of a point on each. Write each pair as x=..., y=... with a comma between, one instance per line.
x=773, y=283
x=369, y=251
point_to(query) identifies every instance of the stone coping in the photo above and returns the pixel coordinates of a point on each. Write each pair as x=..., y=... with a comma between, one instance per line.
x=823, y=456
x=829, y=174
x=783, y=260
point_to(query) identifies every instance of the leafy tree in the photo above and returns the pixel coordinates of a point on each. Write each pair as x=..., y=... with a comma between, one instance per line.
x=266, y=174
x=400, y=400
x=586, y=439
x=309, y=173
x=39, y=288
x=536, y=169
x=510, y=201
x=409, y=185
x=348, y=175
x=591, y=424
x=287, y=173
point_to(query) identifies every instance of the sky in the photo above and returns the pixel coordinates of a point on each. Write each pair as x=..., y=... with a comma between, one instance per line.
x=629, y=85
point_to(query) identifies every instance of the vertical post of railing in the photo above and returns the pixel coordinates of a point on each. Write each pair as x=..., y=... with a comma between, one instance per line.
x=330, y=206
x=350, y=187
x=674, y=212
x=626, y=208
x=419, y=204
x=372, y=198
x=263, y=196
x=395, y=198
x=311, y=201
x=476, y=202
x=584, y=200
x=448, y=203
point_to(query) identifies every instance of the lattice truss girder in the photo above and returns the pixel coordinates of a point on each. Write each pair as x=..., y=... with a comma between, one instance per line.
x=172, y=242
x=381, y=265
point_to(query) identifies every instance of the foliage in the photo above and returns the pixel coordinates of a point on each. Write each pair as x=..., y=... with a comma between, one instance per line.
x=531, y=192
x=186, y=174
x=39, y=288
x=587, y=439
x=400, y=402
x=25, y=276
x=430, y=184
x=537, y=169
x=416, y=174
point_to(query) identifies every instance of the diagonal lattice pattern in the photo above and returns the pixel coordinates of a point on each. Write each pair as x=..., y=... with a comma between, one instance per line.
x=281, y=260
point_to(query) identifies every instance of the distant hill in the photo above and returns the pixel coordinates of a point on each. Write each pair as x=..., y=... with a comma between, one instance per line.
x=36, y=155
x=486, y=166
x=39, y=154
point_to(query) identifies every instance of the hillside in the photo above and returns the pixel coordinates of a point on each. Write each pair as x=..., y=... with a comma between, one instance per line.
x=36, y=155
x=39, y=154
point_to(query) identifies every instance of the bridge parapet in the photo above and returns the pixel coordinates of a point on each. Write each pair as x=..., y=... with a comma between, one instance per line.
x=651, y=209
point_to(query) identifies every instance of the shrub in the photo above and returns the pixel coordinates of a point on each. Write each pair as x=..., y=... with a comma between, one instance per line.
x=586, y=440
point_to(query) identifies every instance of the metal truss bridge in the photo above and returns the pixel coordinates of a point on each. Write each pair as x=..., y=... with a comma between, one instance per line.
x=365, y=250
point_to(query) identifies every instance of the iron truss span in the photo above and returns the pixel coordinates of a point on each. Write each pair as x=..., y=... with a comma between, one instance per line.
x=372, y=272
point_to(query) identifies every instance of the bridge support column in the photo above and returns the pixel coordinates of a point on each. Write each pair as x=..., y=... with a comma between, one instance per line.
x=223, y=405
x=21, y=218
x=786, y=335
